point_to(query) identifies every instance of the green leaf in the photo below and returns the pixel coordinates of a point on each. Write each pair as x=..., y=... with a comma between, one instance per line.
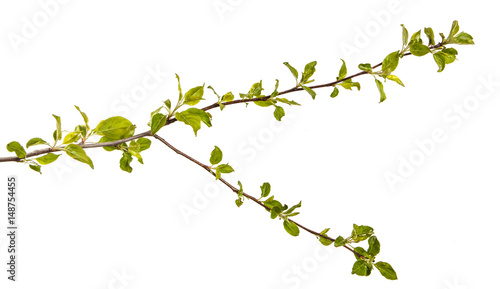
x=340, y=241
x=168, y=103
x=223, y=169
x=179, y=86
x=157, y=122
x=279, y=113
x=239, y=202
x=361, y=233
x=380, y=87
x=405, y=35
x=125, y=162
x=58, y=133
x=463, y=38
x=335, y=92
x=216, y=156
x=349, y=84
x=255, y=90
x=292, y=70
x=107, y=148
x=440, y=61
x=275, y=92
x=82, y=129
x=72, y=137
x=324, y=241
x=311, y=92
x=144, y=143
x=265, y=103
x=84, y=115
x=77, y=152
x=373, y=246
x=342, y=71
x=390, y=62
x=265, y=190
x=47, y=159
x=286, y=101
x=228, y=97
x=115, y=128
x=193, y=117
x=291, y=228
x=396, y=79
x=386, y=270
x=360, y=252
x=418, y=49
x=194, y=95
x=36, y=168
x=290, y=210
x=449, y=54
x=309, y=70
x=361, y=268
x=430, y=34
x=365, y=67
x=454, y=30
x=35, y=141
x=16, y=148
x=415, y=38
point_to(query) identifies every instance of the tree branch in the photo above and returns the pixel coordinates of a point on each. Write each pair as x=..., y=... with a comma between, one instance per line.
x=235, y=190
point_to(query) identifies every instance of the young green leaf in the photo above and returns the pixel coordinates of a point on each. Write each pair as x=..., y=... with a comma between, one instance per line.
x=386, y=270
x=77, y=152
x=193, y=117
x=415, y=38
x=143, y=143
x=430, y=34
x=157, y=122
x=365, y=67
x=349, y=84
x=107, y=148
x=342, y=71
x=440, y=61
x=463, y=38
x=255, y=90
x=223, y=169
x=361, y=233
x=238, y=202
x=340, y=241
x=405, y=35
x=85, y=118
x=373, y=246
x=115, y=128
x=35, y=141
x=286, y=101
x=418, y=49
x=390, y=63
x=265, y=190
x=72, y=137
x=194, y=95
x=361, y=268
x=275, y=92
x=292, y=70
x=396, y=79
x=58, y=133
x=81, y=129
x=179, y=86
x=168, y=104
x=228, y=97
x=265, y=102
x=291, y=228
x=17, y=148
x=47, y=159
x=36, y=168
x=125, y=162
x=309, y=70
x=454, y=30
x=311, y=92
x=216, y=156
x=279, y=113
x=324, y=241
x=449, y=54
x=380, y=87
x=335, y=92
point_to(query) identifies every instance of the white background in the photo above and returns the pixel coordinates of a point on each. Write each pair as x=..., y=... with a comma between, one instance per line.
x=169, y=225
